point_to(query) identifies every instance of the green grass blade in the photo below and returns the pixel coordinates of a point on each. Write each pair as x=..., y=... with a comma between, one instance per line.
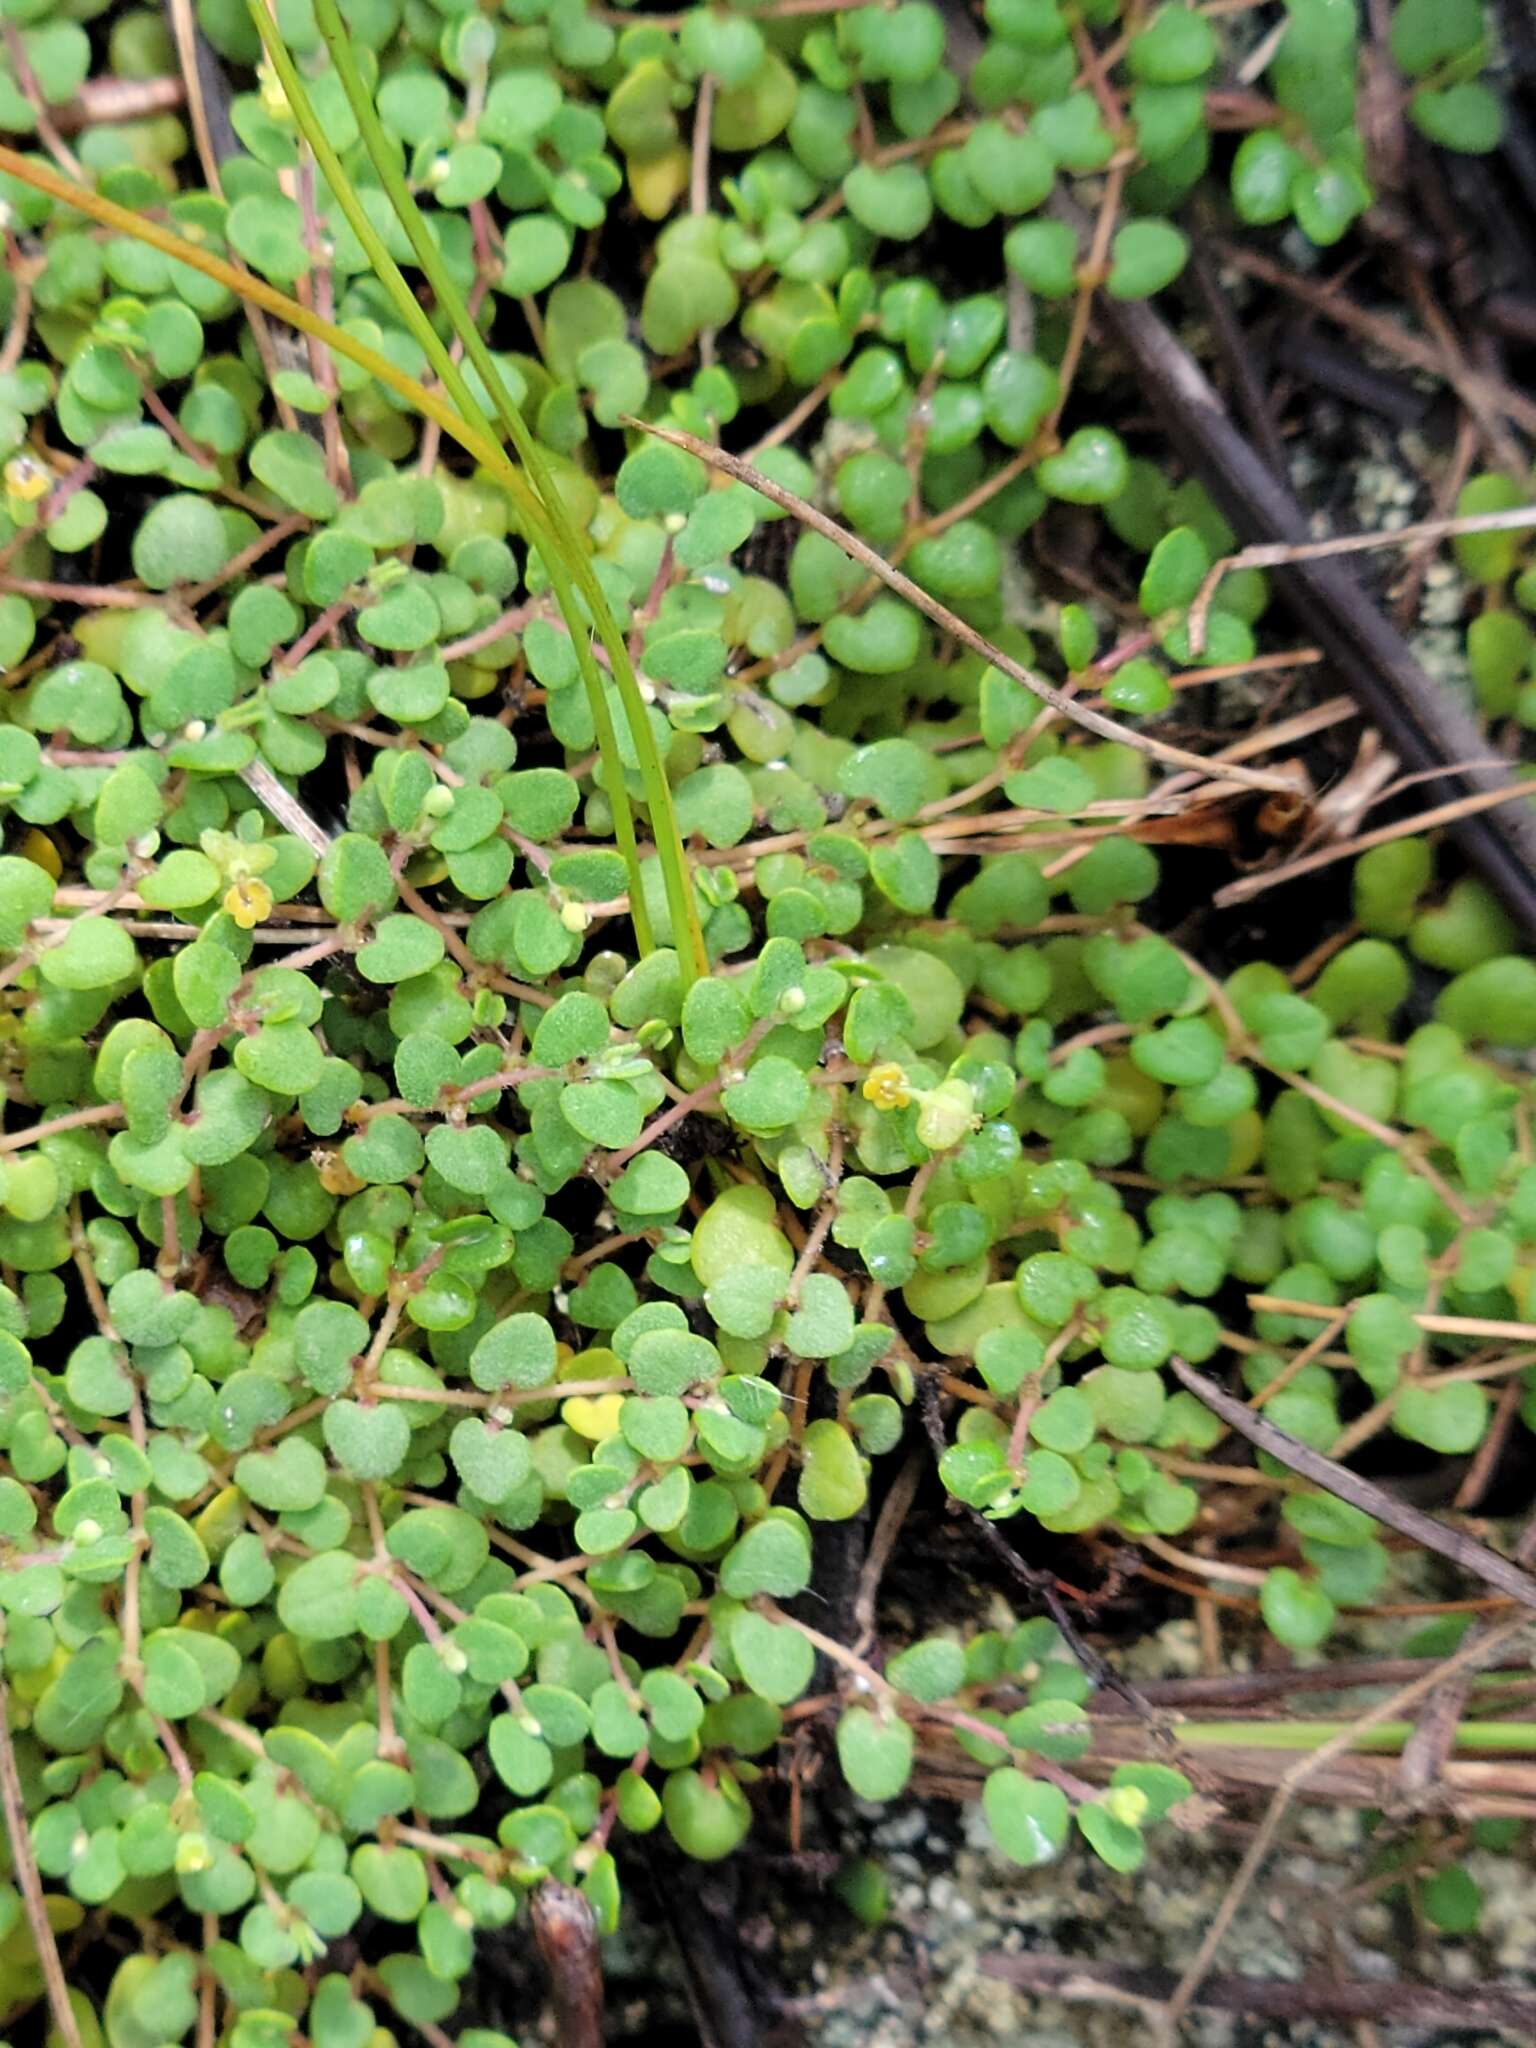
x=531, y=506
x=658, y=794
x=1517, y=1738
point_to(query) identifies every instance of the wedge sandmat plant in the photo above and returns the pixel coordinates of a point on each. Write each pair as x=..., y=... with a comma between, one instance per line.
x=435, y=1327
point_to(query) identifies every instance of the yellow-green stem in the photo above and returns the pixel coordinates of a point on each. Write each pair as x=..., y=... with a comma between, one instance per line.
x=108, y=214
x=1517, y=1737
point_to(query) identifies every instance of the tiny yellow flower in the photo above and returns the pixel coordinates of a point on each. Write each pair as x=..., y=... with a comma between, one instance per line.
x=248, y=902
x=887, y=1086
x=274, y=99
x=1128, y=1804
x=27, y=479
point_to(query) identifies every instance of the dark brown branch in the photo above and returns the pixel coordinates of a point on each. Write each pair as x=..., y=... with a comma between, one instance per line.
x=24, y=1863
x=1512, y=315
x=1472, y=1556
x=1250, y=1688
x=1039, y=1582
x=567, y=1938
x=887, y=1529
x=1333, y=367
x=1518, y=149
x=1237, y=354
x=703, y=1910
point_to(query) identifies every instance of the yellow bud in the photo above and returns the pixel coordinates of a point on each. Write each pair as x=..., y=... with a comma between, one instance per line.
x=27, y=479
x=274, y=101
x=248, y=901
x=887, y=1086
x=1128, y=1804
x=191, y=1855
x=946, y=1115
x=334, y=1174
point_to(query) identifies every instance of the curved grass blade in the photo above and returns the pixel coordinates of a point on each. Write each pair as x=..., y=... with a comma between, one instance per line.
x=244, y=285
x=531, y=506
x=568, y=544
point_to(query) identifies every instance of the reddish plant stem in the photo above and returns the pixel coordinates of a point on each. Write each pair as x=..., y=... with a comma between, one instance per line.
x=18, y=1835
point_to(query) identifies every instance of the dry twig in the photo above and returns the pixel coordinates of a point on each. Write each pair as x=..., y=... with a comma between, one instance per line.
x=1298, y=1774
x=1454, y=1544
x=1467, y=2009
x=567, y=1937
x=1279, y=554
x=19, y=1839
x=867, y=558
x=1249, y=886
